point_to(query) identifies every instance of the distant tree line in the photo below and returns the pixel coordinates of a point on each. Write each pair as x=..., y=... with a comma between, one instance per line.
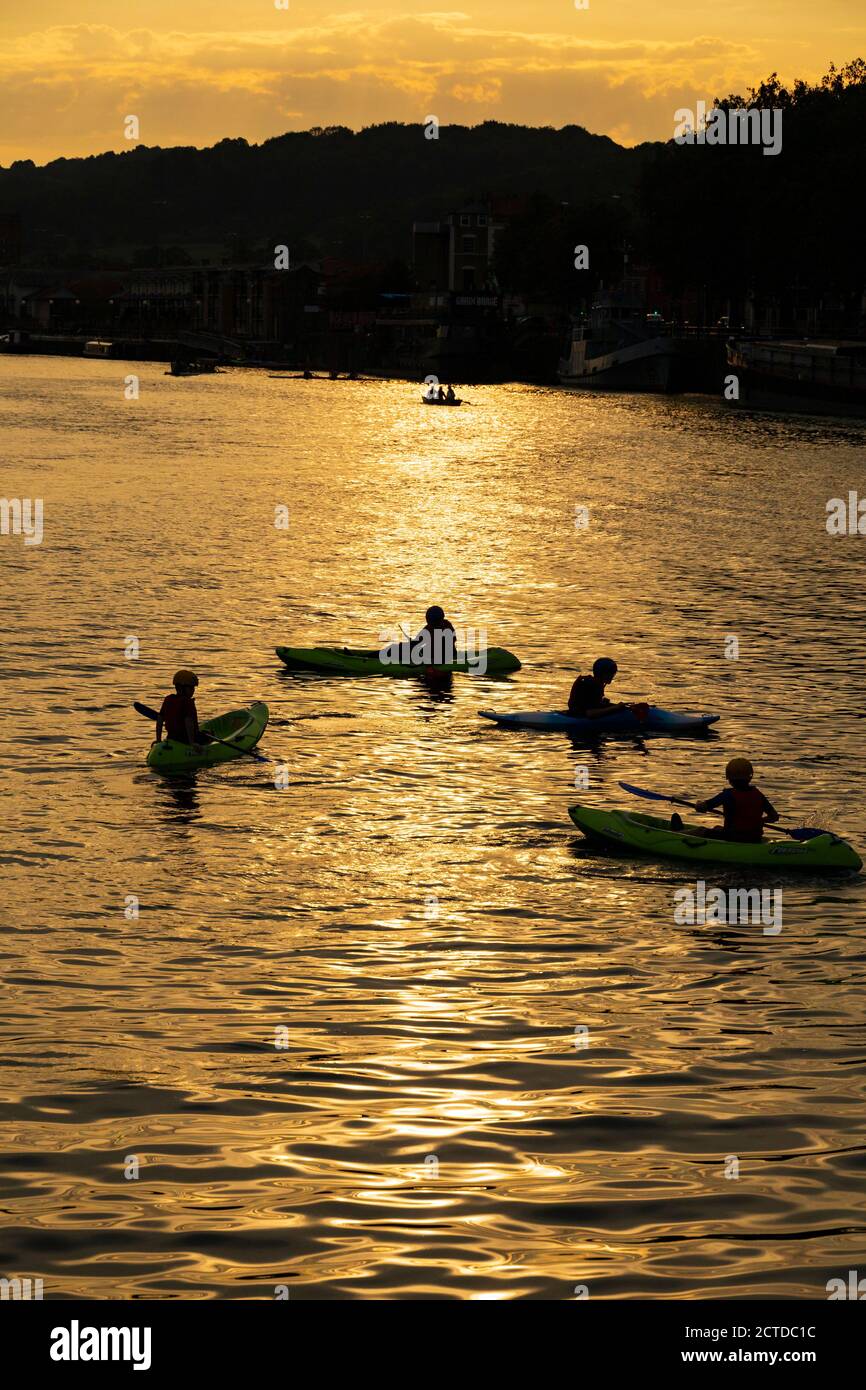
x=323, y=191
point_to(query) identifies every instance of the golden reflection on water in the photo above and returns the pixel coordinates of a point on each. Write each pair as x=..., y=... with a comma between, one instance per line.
x=431, y=1128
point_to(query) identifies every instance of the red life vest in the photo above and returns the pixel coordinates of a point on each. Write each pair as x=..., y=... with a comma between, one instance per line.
x=744, y=812
x=176, y=709
x=586, y=693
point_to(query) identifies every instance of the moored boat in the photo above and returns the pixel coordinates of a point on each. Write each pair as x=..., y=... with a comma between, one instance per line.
x=640, y=364
x=815, y=378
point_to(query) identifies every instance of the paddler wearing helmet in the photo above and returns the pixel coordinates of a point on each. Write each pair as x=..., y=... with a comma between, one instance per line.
x=178, y=712
x=746, y=808
x=588, y=700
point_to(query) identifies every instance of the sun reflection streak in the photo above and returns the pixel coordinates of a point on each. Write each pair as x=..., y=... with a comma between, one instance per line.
x=303, y=909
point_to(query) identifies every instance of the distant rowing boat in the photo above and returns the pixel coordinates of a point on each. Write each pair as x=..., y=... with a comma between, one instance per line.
x=434, y=400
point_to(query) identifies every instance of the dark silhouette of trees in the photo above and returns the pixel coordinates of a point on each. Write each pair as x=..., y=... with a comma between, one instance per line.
x=727, y=218
x=341, y=193
x=535, y=253
x=733, y=218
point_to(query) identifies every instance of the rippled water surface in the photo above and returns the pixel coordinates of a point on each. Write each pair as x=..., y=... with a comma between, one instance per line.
x=431, y=1124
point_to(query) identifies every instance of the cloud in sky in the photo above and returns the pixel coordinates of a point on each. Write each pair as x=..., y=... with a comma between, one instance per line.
x=68, y=87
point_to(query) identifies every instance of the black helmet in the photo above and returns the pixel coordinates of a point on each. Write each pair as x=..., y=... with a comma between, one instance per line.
x=604, y=668
x=435, y=614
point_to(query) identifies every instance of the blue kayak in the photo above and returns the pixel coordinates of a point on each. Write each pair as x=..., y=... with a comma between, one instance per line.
x=658, y=721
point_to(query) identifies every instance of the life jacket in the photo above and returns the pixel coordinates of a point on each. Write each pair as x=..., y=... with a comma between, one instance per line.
x=174, y=713
x=744, y=812
x=586, y=693
x=435, y=646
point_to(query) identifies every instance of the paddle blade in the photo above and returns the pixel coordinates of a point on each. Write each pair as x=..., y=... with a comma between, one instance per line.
x=641, y=791
x=145, y=710
x=655, y=796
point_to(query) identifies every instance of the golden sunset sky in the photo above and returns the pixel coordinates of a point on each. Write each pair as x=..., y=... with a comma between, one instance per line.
x=196, y=71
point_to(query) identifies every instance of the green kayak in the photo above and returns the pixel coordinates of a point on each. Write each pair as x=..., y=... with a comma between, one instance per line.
x=653, y=835
x=348, y=661
x=243, y=727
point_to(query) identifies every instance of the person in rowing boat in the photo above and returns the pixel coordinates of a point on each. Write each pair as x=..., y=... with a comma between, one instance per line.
x=588, y=700
x=179, y=714
x=449, y=394
x=746, y=809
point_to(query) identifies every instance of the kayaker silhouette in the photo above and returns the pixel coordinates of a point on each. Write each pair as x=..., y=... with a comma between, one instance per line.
x=178, y=712
x=746, y=809
x=434, y=644
x=588, y=700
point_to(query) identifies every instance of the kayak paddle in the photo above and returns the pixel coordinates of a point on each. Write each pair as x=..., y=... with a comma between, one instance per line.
x=799, y=833
x=208, y=737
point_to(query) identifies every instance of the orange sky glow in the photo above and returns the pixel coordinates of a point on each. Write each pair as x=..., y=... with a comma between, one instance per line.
x=197, y=71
